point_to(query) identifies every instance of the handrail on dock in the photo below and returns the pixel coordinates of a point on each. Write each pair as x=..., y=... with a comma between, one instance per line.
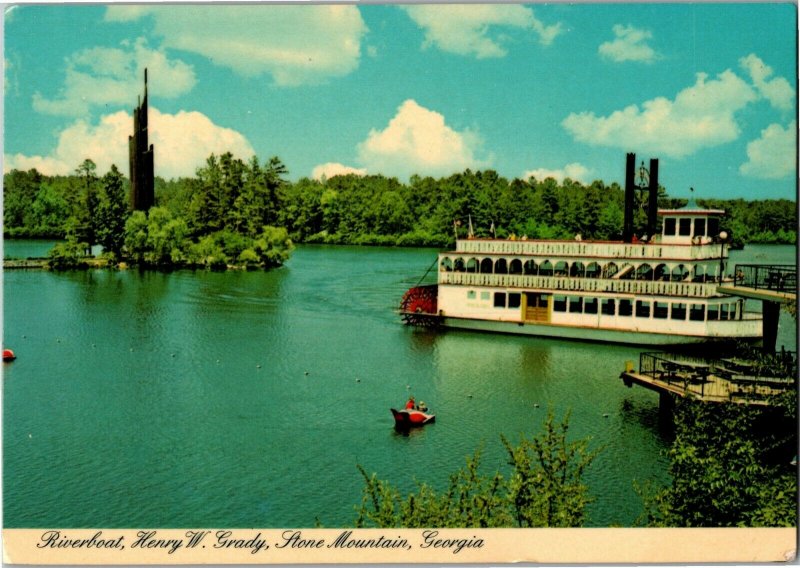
x=775, y=277
x=732, y=379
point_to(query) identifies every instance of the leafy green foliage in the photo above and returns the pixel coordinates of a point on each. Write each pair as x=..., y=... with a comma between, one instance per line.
x=112, y=213
x=221, y=219
x=544, y=489
x=67, y=255
x=49, y=212
x=227, y=214
x=228, y=194
x=377, y=210
x=722, y=470
x=70, y=254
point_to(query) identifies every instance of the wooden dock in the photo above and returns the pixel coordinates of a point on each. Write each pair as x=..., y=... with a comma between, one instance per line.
x=24, y=264
x=721, y=381
x=44, y=264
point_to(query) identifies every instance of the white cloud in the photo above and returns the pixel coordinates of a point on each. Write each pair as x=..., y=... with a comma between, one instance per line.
x=294, y=44
x=629, y=44
x=126, y=13
x=772, y=156
x=777, y=91
x=332, y=169
x=701, y=116
x=9, y=71
x=107, y=76
x=467, y=29
x=182, y=143
x=417, y=140
x=573, y=171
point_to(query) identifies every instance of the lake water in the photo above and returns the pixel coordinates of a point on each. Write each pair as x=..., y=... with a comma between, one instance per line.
x=197, y=399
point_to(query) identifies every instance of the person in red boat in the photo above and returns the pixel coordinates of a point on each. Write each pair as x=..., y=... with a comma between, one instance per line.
x=410, y=404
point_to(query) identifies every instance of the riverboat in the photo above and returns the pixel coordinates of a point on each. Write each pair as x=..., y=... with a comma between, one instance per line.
x=660, y=288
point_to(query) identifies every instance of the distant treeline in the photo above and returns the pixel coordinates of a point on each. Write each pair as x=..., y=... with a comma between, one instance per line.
x=237, y=197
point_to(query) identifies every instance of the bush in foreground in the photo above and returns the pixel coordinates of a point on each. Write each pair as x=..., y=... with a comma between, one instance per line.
x=545, y=489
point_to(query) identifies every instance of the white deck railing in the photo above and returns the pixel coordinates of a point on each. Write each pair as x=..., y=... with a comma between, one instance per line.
x=588, y=250
x=565, y=283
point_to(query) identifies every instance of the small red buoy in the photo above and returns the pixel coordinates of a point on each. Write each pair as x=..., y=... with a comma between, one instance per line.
x=8, y=355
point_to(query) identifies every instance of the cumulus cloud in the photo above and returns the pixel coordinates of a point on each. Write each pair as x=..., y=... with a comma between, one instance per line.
x=777, y=90
x=332, y=169
x=772, y=156
x=573, y=171
x=10, y=83
x=700, y=116
x=182, y=143
x=471, y=29
x=126, y=12
x=107, y=76
x=417, y=140
x=629, y=44
x=294, y=44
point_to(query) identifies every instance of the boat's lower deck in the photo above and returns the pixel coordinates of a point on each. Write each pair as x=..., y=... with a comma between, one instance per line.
x=584, y=333
x=651, y=320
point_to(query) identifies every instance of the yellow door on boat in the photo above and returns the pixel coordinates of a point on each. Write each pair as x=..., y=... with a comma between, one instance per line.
x=537, y=307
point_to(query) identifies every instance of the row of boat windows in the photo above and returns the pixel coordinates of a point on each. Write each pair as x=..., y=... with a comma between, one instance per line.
x=683, y=227
x=644, y=271
x=617, y=307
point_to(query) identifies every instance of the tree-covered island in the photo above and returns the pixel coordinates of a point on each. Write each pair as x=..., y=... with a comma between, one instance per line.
x=247, y=214
x=224, y=217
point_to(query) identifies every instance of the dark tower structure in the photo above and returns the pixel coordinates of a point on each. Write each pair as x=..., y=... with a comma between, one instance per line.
x=647, y=182
x=141, y=159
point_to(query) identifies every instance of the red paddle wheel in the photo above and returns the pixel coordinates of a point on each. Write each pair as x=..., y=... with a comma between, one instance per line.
x=418, y=306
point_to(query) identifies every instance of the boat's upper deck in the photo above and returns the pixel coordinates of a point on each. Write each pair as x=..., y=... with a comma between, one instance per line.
x=592, y=250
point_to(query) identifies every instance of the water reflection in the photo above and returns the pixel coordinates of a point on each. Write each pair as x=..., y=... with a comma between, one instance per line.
x=424, y=340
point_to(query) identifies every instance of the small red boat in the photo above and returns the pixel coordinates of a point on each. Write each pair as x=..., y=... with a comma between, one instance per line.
x=409, y=418
x=8, y=355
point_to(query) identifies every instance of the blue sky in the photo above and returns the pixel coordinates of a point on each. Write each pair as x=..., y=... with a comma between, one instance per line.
x=562, y=90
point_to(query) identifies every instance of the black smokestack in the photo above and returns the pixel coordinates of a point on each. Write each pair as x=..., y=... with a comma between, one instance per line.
x=630, y=195
x=652, y=203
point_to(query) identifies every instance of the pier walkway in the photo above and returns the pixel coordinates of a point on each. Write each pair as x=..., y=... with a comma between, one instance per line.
x=766, y=282
x=773, y=284
x=28, y=263
x=731, y=380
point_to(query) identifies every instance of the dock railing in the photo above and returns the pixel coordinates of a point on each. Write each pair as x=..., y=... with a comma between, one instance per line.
x=775, y=277
x=722, y=379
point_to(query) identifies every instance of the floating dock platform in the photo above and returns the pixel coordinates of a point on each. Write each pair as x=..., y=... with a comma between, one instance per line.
x=725, y=380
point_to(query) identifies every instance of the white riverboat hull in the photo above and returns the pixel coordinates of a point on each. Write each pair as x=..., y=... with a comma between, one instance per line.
x=588, y=334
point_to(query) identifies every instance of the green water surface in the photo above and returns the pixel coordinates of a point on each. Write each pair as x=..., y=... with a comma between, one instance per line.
x=246, y=399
